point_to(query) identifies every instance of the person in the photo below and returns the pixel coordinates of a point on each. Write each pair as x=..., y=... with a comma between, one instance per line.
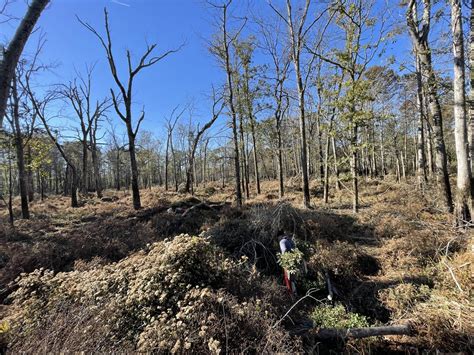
x=286, y=241
x=287, y=245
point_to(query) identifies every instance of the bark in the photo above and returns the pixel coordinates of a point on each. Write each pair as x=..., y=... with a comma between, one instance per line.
x=85, y=168
x=29, y=174
x=471, y=97
x=255, y=154
x=281, y=186
x=336, y=165
x=463, y=204
x=421, y=166
x=167, y=161
x=13, y=52
x=95, y=162
x=354, y=169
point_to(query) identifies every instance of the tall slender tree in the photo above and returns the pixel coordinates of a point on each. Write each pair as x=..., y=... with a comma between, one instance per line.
x=463, y=200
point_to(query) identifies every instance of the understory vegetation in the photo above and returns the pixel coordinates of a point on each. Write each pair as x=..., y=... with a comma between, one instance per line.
x=103, y=277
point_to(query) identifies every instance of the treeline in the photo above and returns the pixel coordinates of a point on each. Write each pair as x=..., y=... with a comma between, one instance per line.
x=331, y=104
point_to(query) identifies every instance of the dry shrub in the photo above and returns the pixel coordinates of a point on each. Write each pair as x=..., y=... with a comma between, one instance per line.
x=253, y=232
x=342, y=259
x=111, y=239
x=445, y=322
x=179, y=296
x=401, y=298
x=419, y=248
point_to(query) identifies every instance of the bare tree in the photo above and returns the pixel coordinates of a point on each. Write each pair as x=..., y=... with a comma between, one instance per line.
x=126, y=91
x=217, y=107
x=11, y=54
x=79, y=95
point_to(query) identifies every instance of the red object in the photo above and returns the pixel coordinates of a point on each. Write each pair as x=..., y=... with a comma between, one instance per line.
x=287, y=281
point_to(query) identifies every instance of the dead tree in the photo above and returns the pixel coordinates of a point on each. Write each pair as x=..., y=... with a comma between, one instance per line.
x=217, y=107
x=124, y=99
x=79, y=95
x=11, y=54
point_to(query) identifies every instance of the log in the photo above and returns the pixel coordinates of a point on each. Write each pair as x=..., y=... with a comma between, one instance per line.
x=357, y=333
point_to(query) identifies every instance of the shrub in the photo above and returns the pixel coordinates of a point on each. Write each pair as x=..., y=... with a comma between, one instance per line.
x=402, y=298
x=327, y=316
x=181, y=295
x=291, y=261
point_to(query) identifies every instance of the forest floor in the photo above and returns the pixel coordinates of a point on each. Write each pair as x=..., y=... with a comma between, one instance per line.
x=400, y=260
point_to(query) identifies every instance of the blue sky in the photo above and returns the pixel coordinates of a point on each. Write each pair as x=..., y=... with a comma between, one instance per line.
x=180, y=78
x=177, y=79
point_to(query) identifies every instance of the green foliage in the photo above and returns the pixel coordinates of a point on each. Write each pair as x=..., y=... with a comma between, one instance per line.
x=291, y=261
x=41, y=150
x=327, y=316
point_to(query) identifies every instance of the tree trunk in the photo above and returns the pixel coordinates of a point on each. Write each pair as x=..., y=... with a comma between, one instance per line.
x=304, y=158
x=336, y=167
x=281, y=186
x=20, y=153
x=463, y=205
x=29, y=173
x=471, y=98
x=134, y=167
x=255, y=154
x=354, y=169
x=84, y=182
x=421, y=166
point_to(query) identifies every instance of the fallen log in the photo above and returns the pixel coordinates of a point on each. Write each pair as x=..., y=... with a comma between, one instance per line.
x=357, y=333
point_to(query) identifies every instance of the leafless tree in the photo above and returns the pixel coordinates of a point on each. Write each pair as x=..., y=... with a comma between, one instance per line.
x=79, y=96
x=123, y=102
x=217, y=107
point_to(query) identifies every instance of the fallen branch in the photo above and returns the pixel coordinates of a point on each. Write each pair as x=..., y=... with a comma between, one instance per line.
x=357, y=333
x=201, y=205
